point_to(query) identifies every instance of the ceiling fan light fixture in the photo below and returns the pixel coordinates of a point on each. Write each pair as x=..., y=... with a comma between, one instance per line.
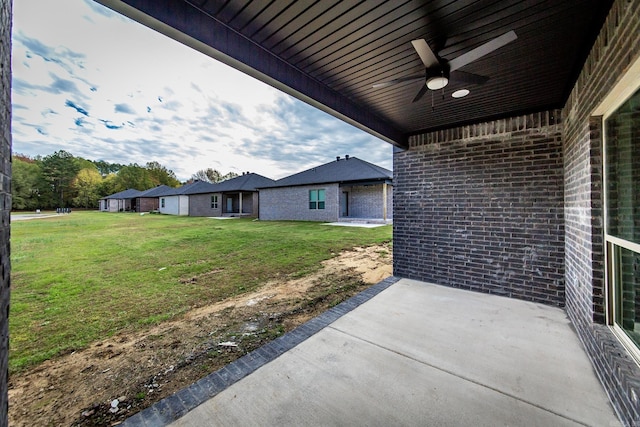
x=460, y=93
x=435, y=83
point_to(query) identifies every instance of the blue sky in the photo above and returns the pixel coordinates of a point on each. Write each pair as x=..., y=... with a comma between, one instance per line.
x=92, y=82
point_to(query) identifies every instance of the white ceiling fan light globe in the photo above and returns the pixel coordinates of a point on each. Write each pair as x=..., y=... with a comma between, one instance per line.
x=460, y=93
x=435, y=83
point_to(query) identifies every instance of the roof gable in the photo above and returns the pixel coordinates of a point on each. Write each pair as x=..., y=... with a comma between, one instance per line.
x=349, y=169
x=246, y=182
x=130, y=193
x=155, y=191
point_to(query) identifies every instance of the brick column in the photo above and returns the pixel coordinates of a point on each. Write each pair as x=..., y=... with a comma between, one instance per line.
x=5, y=199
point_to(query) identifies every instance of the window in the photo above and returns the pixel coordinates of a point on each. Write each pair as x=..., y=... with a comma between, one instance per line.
x=316, y=199
x=622, y=220
x=214, y=201
x=162, y=202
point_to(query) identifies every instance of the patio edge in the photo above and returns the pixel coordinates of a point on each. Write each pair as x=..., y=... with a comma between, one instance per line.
x=175, y=406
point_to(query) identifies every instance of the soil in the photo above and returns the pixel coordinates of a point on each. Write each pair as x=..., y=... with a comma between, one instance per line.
x=139, y=368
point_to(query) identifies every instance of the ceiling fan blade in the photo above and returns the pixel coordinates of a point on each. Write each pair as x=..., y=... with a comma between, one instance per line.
x=482, y=50
x=429, y=59
x=420, y=94
x=464, y=77
x=400, y=80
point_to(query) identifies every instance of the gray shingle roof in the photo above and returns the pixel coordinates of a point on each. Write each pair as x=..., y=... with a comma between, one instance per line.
x=184, y=190
x=155, y=191
x=247, y=182
x=199, y=187
x=340, y=171
x=130, y=193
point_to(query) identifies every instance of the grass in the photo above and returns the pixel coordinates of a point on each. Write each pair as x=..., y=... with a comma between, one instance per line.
x=83, y=277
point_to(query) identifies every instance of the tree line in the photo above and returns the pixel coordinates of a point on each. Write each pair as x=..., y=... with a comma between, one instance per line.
x=61, y=180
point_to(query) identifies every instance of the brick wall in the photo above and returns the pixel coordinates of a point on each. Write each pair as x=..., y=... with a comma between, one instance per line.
x=617, y=46
x=366, y=201
x=5, y=199
x=147, y=204
x=481, y=207
x=200, y=205
x=292, y=203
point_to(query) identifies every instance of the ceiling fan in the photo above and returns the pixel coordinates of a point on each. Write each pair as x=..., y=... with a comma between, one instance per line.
x=439, y=71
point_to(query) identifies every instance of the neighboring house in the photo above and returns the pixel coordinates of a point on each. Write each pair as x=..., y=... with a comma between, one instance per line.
x=345, y=189
x=124, y=201
x=175, y=201
x=148, y=200
x=234, y=197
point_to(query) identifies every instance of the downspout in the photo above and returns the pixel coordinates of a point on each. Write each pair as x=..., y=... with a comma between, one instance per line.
x=384, y=201
x=240, y=204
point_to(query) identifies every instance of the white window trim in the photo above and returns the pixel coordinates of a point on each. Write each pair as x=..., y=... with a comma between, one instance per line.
x=622, y=91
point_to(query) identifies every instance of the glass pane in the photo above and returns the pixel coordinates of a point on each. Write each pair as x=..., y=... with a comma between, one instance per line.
x=623, y=170
x=320, y=205
x=312, y=205
x=321, y=195
x=627, y=289
x=313, y=195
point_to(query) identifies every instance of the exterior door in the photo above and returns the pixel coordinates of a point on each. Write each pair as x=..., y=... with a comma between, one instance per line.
x=344, y=204
x=229, y=204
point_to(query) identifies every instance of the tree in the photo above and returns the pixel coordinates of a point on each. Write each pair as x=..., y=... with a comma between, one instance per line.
x=86, y=185
x=108, y=185
x=133, y=176
x=59, y=169
x=161, y=175
x=106, y=168
x=26, y=175
x=212, y=175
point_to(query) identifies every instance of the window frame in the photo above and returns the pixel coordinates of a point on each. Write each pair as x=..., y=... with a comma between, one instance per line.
x=619, y=95
x=316, y=202
x=214, y=201
x=162, y=202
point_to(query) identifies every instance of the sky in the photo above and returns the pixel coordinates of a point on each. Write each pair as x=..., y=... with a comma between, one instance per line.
x=89, y=81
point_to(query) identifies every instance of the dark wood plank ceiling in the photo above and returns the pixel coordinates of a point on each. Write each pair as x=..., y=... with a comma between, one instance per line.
x=333, y=51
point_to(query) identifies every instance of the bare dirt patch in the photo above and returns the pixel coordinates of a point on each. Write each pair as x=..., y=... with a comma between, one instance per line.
x=140, y=368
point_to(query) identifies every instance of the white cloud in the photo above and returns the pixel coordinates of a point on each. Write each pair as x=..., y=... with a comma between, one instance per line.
x=100, y=86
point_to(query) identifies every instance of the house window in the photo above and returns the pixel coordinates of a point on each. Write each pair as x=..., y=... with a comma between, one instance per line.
x=622, y=220
x=214, y=201
x=162, y=202
x=316, y=199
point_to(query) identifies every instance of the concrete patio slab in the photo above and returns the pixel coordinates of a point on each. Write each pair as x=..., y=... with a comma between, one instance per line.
x=414, y=354
x=355, y=224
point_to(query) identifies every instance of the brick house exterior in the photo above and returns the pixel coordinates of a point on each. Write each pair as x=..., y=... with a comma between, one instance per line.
x=202, y=204
x=481, y=207
x=512, y=238
x=148, y=201
x=234, y=197
x=353, y=189
x=514, y=207
x=292, y=203
x=5, y=200
x=123, y=201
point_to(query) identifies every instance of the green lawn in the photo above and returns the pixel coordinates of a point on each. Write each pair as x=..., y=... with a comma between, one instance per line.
x=82, y=277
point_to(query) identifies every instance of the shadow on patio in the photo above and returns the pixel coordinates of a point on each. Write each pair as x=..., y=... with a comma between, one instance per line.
x=405, y=353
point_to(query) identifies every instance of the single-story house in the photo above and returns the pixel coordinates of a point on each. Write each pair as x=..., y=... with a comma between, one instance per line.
x=148, y=200
x=175, y=201
x=234, y=197
x=345, y=189
x=124, y=201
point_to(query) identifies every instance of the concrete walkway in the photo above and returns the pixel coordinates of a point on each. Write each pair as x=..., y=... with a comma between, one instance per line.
x=410, y=353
